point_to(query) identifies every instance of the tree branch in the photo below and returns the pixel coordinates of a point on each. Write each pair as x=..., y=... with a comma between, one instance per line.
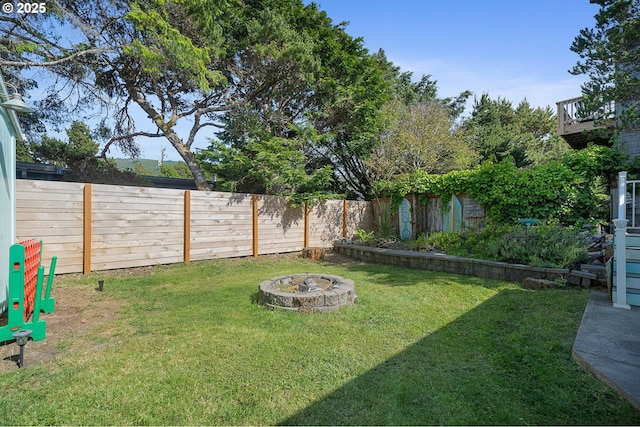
x=103, y=153
x=57, y=61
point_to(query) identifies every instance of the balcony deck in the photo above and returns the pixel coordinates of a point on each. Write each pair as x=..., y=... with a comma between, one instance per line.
x=576, y=125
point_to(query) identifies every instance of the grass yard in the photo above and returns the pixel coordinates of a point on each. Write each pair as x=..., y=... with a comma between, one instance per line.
x=189, y=345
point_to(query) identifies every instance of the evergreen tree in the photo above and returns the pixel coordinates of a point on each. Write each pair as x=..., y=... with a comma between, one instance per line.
x=524, y=135
x=610, y=57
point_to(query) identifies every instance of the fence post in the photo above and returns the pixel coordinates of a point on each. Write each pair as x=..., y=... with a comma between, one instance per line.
x=254, y=200
x=306, y=225
x=187, y=226
x=621, y=264
x=621, y=245
x=622, y=195
x=86, y=265
x=345, y=219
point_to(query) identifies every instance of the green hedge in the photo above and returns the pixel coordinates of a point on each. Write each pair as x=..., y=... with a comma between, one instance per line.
x=569, y=191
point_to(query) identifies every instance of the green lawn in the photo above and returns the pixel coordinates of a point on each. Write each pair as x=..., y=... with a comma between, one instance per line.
x=191, y=346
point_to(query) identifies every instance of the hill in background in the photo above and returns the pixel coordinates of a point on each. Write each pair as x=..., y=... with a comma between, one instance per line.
x=150, y=164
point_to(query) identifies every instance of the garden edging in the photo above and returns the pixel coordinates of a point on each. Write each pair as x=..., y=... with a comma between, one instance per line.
x=440, y=262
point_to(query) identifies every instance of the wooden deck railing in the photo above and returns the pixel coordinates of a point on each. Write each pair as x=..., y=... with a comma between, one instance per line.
x=572, y=117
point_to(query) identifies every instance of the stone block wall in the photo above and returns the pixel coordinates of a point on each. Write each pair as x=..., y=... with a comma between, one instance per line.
x=449, y=264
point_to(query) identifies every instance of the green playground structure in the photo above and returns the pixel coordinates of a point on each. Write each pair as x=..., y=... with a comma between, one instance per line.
x=27, y=298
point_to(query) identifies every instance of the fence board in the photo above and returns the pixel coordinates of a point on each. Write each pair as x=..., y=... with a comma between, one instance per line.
x=280, y=226
x=219, y=216
x=52, y=211
x=325, y=223
x=234, y=251
x=203, y=238
x=359, y=215
x=131, y=263
x=46, y=196
x=220, y=225
x=137, y=252
x=39, y=216
x=139, y=243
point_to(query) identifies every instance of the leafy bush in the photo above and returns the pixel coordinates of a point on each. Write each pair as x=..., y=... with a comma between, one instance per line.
x=365, y=237
x=570, y=191
x=445, y=241
x=385, y=225
x=538, y=246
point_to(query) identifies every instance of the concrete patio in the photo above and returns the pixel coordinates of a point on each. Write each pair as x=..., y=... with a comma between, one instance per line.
x=608, y=344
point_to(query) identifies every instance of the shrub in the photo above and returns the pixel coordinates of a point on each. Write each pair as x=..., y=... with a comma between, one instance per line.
x=537, y=246
x=365, y=237
x=540, y=246
x=570, y=190
x=445, y=241
x=385, y=226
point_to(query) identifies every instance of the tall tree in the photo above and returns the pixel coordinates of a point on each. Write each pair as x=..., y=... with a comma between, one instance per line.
x=359, y=92
x=163, y=56
x=610, y=57
x=272, y=73
x=351, y=91
x=525, y=135
x=321, y=79
x=417, y=137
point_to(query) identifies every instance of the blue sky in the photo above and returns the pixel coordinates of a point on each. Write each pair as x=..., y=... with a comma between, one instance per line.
x=514, y=49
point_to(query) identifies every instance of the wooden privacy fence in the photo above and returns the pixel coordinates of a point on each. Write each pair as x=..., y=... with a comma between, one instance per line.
x=100, y=227
x=435, y=215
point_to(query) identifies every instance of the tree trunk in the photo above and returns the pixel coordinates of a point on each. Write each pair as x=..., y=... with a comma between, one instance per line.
x=194, y=166
x=174, y=139
x=315, y=254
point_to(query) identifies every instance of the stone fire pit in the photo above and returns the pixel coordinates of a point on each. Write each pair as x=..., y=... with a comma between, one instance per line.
x=307, y=292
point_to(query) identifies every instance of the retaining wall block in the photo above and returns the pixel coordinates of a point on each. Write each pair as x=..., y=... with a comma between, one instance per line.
x=556, y=273
x=468, y=267
x=311, y=301
x=497, y=271
x=282, y=300
x=331, y=298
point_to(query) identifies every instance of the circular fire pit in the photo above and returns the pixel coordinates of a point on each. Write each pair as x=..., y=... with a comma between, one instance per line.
x=307, y=292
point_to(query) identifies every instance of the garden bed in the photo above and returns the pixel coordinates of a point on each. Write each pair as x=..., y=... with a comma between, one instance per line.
x=435, y=261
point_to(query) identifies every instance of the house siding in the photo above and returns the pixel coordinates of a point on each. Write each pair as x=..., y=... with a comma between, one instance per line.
x=630, y=143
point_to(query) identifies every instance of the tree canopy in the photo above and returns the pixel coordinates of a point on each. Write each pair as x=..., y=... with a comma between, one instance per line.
x=104, y=57
x=610, y=57
x=290, y=102
x=420, y=136
x=524, y=135
x=322, y=99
